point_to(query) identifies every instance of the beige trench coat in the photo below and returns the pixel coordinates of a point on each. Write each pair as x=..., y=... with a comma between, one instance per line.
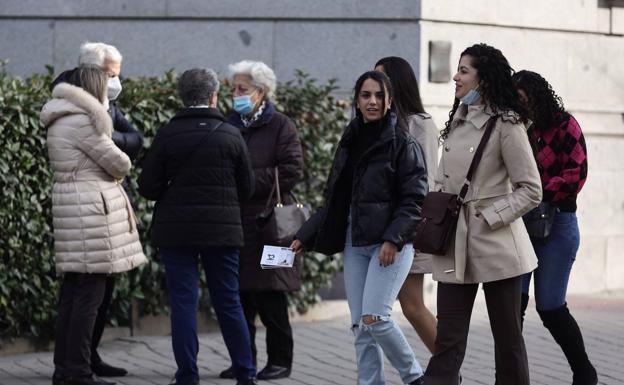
x=95, y=228
x=491, y=242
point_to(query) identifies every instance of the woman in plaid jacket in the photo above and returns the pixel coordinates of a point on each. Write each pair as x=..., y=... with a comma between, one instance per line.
x=561, y=155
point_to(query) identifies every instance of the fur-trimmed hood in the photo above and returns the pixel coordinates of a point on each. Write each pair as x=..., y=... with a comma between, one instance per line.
x=69, y=99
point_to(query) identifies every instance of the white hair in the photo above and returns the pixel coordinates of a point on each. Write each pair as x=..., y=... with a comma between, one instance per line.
x=262, y=76
x=98, y=53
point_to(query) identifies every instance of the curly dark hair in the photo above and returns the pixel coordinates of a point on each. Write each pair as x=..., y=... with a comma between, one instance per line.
x=496, y=84
x=545, y=107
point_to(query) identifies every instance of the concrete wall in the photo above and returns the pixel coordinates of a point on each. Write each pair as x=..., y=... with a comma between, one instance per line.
x=329, y=39
x=579, y=48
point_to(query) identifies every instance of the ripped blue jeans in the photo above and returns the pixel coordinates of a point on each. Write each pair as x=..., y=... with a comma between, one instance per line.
x=371, y=290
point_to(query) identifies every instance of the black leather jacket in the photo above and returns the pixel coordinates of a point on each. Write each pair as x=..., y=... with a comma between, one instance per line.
x=389, y=186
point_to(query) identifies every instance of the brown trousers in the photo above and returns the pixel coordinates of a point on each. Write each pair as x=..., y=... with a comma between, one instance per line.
x=455, y=302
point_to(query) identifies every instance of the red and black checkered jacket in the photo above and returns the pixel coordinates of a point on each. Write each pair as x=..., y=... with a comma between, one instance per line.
x=561, y=156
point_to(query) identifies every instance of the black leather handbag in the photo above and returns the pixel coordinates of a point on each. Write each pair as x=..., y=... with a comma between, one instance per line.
x=539, y=221
x=440, y=210
x=278, y=224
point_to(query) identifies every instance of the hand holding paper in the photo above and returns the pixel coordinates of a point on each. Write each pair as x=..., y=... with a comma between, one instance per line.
x=274, y=257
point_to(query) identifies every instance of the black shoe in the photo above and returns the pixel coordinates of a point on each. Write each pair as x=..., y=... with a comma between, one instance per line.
x=227, y=373
x=58, y=380
x=419, y=381
x=103, y=369
x=251, y=381
x=85, y=380
x=273, y=372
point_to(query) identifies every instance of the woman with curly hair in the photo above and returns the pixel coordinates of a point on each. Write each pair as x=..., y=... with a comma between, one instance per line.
x=561, y=156
x=491, y=245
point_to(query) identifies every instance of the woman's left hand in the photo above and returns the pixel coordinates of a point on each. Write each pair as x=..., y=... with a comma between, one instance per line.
x=387, y=254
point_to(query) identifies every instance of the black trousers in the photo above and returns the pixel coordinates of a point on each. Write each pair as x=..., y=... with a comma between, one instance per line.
x=272, y=307
x=455, y=302
x=80, y=297
x=102, y=317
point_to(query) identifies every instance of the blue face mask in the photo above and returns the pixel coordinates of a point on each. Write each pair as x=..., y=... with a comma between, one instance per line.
x=470, y=97
x=243, y=104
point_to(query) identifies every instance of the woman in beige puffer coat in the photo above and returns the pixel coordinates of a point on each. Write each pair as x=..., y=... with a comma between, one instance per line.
x=95, y=229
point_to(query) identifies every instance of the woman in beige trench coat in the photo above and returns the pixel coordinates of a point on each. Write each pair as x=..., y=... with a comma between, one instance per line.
x=491, y=245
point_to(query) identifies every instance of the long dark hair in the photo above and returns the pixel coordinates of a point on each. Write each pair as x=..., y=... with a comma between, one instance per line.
x=404, y=83
x=386, y=89
x=496, y=84
x=545, y=106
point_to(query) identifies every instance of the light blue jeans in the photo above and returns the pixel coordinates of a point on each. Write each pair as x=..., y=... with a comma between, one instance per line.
x=371, y=290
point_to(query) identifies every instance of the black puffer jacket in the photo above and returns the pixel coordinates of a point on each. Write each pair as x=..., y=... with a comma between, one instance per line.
x=125, y=136
x=197, y=191
x=389, y=186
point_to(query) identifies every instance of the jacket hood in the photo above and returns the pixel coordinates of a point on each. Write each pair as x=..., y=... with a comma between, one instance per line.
x=62, y=78
x=68, y=100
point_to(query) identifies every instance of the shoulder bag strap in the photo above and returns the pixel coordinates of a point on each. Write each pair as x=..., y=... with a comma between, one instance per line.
x=477, y=157
x=274, y=189
x=192, y=154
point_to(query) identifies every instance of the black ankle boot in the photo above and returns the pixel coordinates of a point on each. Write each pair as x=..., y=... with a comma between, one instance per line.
x=228, y=373
x=567, y=334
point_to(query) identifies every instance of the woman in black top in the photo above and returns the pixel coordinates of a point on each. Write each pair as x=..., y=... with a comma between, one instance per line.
x=372, y=205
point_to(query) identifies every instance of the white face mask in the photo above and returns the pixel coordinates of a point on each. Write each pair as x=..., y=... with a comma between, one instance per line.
x=113, y=88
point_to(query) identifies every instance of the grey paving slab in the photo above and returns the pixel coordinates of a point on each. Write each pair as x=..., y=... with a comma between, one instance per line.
x=324, y=353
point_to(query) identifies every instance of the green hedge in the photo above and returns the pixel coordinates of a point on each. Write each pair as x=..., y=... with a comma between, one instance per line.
x=28, y=282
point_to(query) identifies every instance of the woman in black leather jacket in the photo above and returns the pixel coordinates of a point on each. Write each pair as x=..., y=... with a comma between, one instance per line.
x=372, y=205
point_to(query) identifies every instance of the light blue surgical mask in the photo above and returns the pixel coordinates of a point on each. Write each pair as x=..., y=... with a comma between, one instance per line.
x=243, y=104
x=470, y=97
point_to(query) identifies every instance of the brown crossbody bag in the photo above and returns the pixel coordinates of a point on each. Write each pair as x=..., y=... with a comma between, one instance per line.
x=440, y=210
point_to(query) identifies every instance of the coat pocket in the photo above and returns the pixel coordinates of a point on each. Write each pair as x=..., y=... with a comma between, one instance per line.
x=486, y=242
x=104, y=204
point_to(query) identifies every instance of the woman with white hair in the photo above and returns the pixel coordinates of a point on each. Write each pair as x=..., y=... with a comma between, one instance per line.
x=273, y=145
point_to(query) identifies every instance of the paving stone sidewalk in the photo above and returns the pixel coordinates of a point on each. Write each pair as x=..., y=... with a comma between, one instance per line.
x=324, y=352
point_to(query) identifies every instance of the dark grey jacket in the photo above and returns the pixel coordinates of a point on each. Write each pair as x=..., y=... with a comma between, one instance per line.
x=198, y=189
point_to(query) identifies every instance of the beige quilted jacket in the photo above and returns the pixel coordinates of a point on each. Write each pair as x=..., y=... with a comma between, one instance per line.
x=94, y=225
